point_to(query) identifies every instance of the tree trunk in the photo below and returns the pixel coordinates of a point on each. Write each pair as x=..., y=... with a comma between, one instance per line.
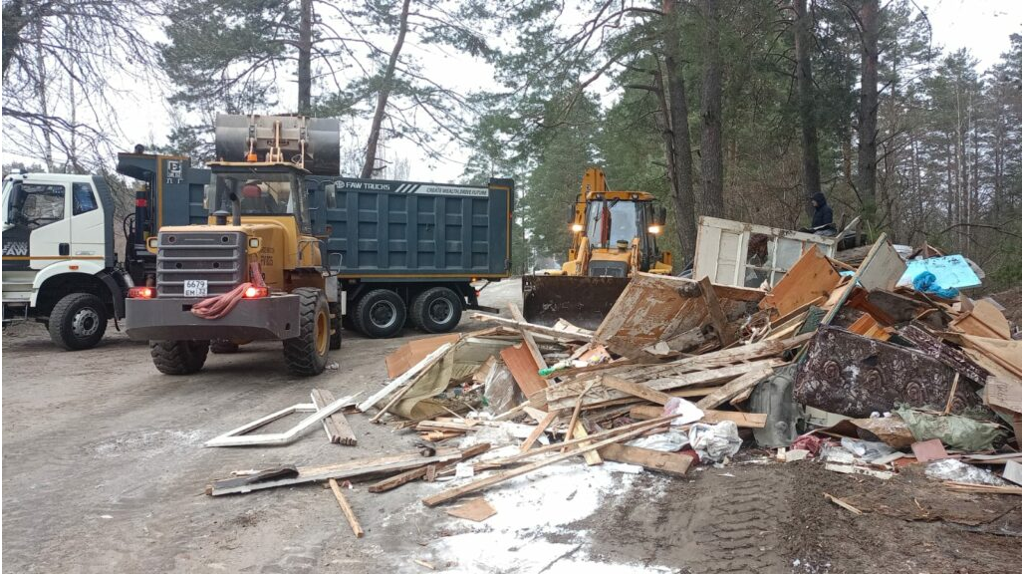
x=305, y=55
x=382, y=96
x=681, y=161
x=867, y=115
x=710, y=201
x=805, y=90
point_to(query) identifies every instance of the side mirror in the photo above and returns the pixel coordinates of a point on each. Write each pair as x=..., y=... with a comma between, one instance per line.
x=571, y=215
x=661, y=215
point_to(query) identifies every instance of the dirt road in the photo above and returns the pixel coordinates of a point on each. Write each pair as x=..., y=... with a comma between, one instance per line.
x=104, y=471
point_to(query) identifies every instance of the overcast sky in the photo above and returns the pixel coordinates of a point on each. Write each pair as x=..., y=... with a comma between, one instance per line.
x=982, y=26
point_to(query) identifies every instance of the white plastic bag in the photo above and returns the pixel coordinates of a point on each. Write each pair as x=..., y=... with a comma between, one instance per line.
x=715, y=442
x=690, y=412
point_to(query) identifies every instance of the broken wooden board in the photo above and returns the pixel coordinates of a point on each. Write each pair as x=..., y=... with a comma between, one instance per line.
x=878, y=267
x=716, y=314
x=850, y=375
x=538, y=430
x=983, y=320
x=735, y=387
x=671, y=463
x=405, y=357
x=567, y=335
x=580, y=431
x=346, y=509
x=868, y=327
x=528, y=339
x=421, y=472
x=524, y=369
x=810, y=279
x=336, y=425
x=564, y=396
x=654, y=308
x=1003, y=394
x=475, y=509
x=1006, y=354
x=637, y=390
x=742, y=420
x=354, y=469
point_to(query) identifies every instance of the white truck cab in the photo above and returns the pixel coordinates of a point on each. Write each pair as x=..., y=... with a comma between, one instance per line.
x=59, y=266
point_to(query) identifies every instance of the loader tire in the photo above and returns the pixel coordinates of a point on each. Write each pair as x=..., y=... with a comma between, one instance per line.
x=306, y=355
x=380, y=314
x=222, y=347
x=436, y=310
x=179, y=357
x=78, y=321
x=336, y=326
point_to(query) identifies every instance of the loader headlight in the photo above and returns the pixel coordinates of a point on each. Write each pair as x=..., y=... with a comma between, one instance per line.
x=254, y=243
x=152, y=244
x=576, y=228
x=654, y=229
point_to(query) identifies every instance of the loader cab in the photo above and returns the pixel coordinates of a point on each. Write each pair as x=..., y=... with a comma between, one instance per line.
x=262, y=191
x=615, y=220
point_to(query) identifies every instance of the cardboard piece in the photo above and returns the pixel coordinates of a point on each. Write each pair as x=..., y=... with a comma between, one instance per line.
x=929, y=450
x=476, y=509
x=403, y=358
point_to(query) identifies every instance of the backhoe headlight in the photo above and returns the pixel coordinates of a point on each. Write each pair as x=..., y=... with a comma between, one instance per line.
x=654, y=229
x=576, y=228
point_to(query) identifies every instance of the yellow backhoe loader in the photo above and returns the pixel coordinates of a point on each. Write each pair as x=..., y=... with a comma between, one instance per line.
x=614, y=234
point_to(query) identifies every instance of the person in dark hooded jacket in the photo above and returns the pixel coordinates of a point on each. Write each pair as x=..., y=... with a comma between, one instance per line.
x=821, y=222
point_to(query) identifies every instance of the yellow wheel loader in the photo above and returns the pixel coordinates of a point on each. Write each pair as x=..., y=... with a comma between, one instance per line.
x=614, y=234
x=254, y=271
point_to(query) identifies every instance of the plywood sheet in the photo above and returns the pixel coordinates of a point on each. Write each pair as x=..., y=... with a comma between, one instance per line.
x=811, y=278
x=524, y=369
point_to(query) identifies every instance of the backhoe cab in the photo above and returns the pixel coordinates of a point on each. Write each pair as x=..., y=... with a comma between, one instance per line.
x=254, y=272
x=615, y=234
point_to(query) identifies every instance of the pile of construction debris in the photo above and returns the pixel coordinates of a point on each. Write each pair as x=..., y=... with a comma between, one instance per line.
x=865, y=368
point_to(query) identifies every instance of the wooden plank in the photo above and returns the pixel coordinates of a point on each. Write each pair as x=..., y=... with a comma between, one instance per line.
x=531, y=343
x=350, y=470
x=811, y=278
x=453, y=493
x=524, y=370
x=346, y=508
x=591, y=456
x=733, y=388
x=645, y=393
x=1005, y=354
x=671, y=463
x=562, y=396
x=576, y=428
x=720, y=358
x=714, y=308
x=882, y=269
x=342, y=433
x=408, y=476
x=742, y=420
x=580, y=335
x=538, y=430
x=880, y=251
x=983, y=488
x=404, y=378
x=842, y=503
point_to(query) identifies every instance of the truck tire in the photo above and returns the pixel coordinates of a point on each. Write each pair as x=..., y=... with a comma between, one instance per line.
x=336, y=326
x=78, y=321
x=222, y=347
x=306, y=354
x=179, y=357
x=380, y=314
x=436, y=310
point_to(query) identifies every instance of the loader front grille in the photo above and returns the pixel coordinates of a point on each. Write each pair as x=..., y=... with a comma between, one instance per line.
x=215, y=256
x=608, y=269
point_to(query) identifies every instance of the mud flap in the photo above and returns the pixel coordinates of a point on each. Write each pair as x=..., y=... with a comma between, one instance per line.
x=582, y=301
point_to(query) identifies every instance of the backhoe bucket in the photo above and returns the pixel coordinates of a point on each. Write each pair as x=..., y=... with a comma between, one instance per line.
x=582, y=301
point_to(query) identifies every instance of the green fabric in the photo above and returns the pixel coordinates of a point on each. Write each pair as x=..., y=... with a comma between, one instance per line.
x=955, y=431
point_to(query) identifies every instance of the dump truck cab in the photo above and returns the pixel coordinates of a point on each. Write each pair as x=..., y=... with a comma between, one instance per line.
x=253, y=271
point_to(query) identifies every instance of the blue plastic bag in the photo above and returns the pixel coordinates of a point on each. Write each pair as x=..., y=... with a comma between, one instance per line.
x=925, y=283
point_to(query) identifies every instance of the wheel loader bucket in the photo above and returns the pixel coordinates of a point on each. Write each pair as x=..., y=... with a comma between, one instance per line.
x=318, y=139
x=582, y=301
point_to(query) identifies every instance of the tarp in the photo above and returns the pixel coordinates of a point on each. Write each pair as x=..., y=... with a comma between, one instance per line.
x=949, y=271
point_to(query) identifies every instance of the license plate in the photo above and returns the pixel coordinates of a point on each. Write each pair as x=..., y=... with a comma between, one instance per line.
x=195, y=287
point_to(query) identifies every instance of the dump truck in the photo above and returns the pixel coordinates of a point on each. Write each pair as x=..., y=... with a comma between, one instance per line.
x=61, y=267
x=254, y=270
x=614, y=234
x=413, y=253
